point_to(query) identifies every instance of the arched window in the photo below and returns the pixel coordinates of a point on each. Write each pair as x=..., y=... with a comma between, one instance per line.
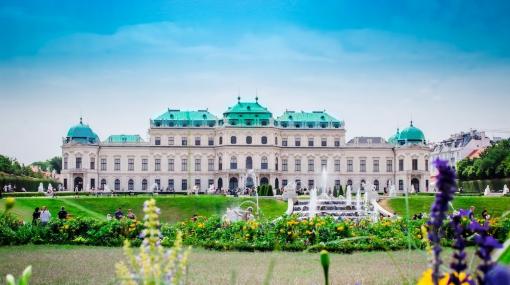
x=220, y=163
x=233, y=140
x=233, y=162
x=131, y=185
x=349, y=182
x=144, y=185
x=263, y=163
x=117, y=185
x=362, y=184
x=376, y=184
x=249, y=140
x=221, y=140
x=263, y=140
x=249, y=162
x=103, y=183
x=276, y=165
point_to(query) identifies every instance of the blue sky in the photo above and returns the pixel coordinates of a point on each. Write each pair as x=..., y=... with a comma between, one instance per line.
x=374, y=64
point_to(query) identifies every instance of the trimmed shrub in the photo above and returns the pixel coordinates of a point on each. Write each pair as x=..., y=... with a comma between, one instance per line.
x=30, y=184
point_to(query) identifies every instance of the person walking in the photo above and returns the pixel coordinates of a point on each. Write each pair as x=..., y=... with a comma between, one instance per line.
x=36, y=215
x=45, y=216
x=62, y=214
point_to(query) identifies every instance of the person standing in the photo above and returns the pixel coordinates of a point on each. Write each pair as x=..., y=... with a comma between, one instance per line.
x=62, y=214
x=45, y=216
x=36, y=215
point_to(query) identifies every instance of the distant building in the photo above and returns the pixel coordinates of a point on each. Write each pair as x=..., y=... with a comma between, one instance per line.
x=461, y=145
x=196, y=148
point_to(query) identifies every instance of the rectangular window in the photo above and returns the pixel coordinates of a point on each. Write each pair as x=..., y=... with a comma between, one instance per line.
x=131, y=164
x=171, y=141
x=285, y=165
x=157, y=141
x=284, y=142
x=337, y=184
x=426, y=165
x=337, y=165
x=337, y=142
x=311, y=184
x=210, y=141
x=220, y=164
x=103, y=164
x=389, y=165
x=197, y=183
x=184, y=184
x=297, y=165
x=350, y=165
x=210, y=182
x=324, y=142
x=310, y=141
x=92, y=183
x=92, y=163
x=198, y=164
x=78, y=163
x=65, y=183
x=324, y=164
x=184, y=141
x=400, y=165
x=65, y=162
x=184, y=164
x=297, y=142
x=171, y=165
x=210, y=164
x=415, y=164
x=171, y=184
x=158, y=183
x=401, y=185
x=362, y=165
x=157, y=164
x=197, y=140
x=285, y=182
x=145, y=164
x=376, y=165
x=116, y=165
x=310, y=165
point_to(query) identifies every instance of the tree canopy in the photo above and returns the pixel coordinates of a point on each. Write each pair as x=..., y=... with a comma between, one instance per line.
x=494, y=162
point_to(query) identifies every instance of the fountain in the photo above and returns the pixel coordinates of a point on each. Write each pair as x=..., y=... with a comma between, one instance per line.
x=348, y=196
x=312, y=204
x=505, y=190
x=211, y=189
x=392, y=191
x=107, y=189
x=40, y=188
x=250, y=176
x=324, y=181
x=413, y=189
x=358, y=199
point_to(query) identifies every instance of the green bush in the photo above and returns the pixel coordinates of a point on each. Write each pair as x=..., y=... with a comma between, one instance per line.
x=270, y=190
x=39, y=194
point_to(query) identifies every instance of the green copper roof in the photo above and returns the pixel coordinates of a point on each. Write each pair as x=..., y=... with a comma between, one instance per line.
x=303, y=119
x=124, y=139
x=247, y=114
x=82, y=133
x=411, y=134
x=178, y=118
x=394, y=138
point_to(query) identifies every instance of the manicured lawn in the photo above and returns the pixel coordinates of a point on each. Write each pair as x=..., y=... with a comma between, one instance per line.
x=95, y=265
x=421, y=204
x=173, y=209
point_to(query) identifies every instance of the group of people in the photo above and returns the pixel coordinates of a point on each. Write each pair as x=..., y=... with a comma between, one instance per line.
x=42, y=216
x=119, y=215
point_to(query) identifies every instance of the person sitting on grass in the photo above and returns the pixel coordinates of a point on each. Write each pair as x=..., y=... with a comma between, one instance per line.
x=485, y=214
x=62, y=214
x=45, y=216
x=36, y=216
x=118, y=214
x=471, y=213
x=131, y=215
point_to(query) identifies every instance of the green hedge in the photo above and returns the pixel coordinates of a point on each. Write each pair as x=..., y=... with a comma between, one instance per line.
x=38, y=194
x=30, y=184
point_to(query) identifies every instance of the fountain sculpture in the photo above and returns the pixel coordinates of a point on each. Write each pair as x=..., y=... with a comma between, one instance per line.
x=40, y=188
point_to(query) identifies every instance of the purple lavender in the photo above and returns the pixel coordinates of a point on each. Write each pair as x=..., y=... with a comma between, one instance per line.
x=458, y=264
x=486, y=244
x=445, y=183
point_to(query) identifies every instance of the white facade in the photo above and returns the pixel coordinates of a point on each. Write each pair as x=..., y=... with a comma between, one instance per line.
x=177, y=158
x=460, y=146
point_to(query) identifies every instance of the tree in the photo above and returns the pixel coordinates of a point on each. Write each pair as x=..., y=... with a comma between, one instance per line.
x=55, y=163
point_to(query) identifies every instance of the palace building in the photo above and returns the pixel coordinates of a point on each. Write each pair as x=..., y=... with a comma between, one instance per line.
x=195, y=148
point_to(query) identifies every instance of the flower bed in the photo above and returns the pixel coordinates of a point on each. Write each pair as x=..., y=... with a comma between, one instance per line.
x=287, y=233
